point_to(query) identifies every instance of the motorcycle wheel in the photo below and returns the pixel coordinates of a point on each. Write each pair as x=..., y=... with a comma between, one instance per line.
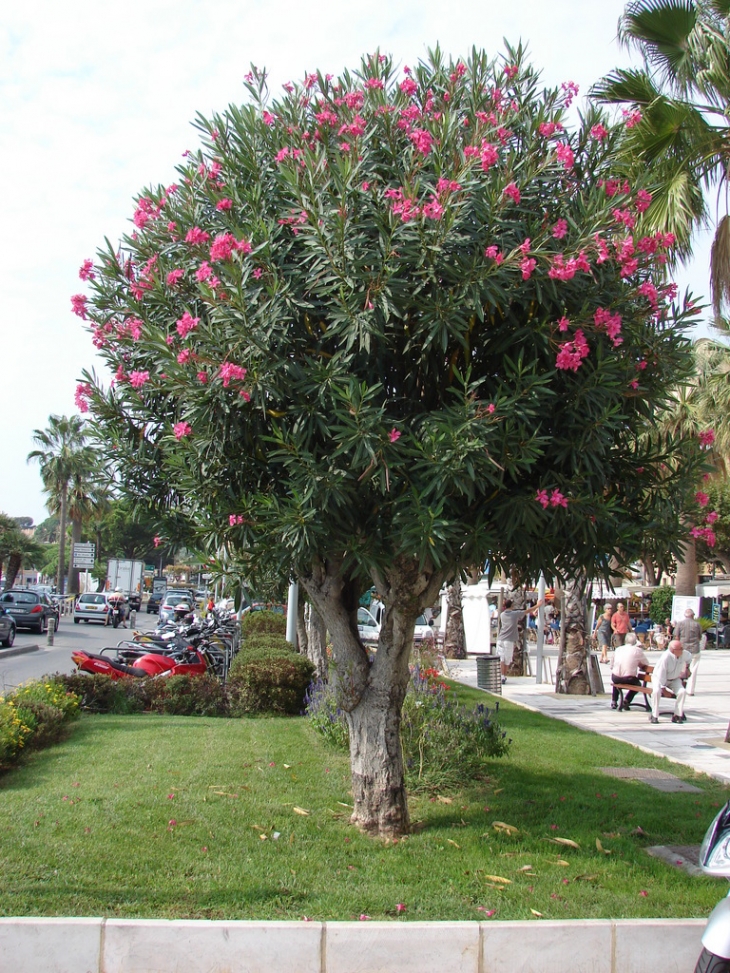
x=709, y=963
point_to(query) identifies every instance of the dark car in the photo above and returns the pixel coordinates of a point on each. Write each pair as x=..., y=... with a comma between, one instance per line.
x=30, y=609
x=134, y=601
x=154, y=601
x=7, y=629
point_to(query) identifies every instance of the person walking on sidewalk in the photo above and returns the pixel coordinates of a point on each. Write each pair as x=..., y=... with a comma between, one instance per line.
x=667, y=675
x=689, y=632
x=626, y=662
x=620, y=624
x=508, y=634
x=602, y=632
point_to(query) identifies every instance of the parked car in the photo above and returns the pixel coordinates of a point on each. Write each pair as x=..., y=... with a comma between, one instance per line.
x=367, y=628
x=30, y=609
x=154, y=601
x=92, y=607
x=424, y=629
x=7, y=629
x=134, y=601
x=171, y=599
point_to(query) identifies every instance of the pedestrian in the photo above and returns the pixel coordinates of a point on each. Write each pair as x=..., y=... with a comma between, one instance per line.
x=602, y=631
x=620, y=624
x=667, y=674
x=689, y=632
x=627, y=660
x=507, y=634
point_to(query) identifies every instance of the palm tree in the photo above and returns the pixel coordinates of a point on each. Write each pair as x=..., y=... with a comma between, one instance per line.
x=683, y=95
x=62, y=455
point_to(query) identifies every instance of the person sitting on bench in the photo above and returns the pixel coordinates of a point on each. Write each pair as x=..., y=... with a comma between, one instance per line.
x=627, y=660
x=667, y=675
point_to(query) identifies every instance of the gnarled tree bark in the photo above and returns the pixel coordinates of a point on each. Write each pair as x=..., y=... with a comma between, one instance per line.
x=572, y=670
x=371, y=691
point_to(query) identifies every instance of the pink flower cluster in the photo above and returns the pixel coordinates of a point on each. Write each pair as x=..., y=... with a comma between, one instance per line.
x=555, y=499
x=186, y=324
x=610, y=323
x=707, y=534
x=86, y=270
x=231, y=373
x=182, y=429
x=394, y=435
x=138, y=379
x=707, y=438
x=234, y=519
x=571, y=353
x=78, y=306
x=81, y=396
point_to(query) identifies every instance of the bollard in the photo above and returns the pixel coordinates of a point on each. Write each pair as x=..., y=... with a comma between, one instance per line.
x=133, y=619
x=51, y=629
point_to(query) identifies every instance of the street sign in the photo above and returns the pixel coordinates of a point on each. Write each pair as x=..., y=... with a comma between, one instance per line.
x=84, y=555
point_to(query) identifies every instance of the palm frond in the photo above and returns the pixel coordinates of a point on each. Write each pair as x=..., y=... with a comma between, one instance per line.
x=626, y=86
x=720, y=266
x=660, y=30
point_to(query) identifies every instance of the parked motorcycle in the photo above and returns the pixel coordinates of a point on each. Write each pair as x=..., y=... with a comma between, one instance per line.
x=188, y=662
x=715, y=860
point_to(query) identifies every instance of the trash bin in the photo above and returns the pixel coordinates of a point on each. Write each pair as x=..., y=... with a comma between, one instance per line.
x=489, y=673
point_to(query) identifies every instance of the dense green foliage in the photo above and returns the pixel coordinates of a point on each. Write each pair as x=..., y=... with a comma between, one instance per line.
x=661, y=604
x=260, y=622
x=376, y=277
x=34, y=716
x=269, y=679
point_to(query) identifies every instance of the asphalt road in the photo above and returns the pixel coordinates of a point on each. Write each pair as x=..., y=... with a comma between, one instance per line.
x=16, y=669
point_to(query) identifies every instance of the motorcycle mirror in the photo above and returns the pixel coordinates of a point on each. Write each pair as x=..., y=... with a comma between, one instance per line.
x=715, y=849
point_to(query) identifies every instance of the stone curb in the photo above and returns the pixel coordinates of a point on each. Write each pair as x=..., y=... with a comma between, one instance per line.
x=18, y=650
x=94, y=945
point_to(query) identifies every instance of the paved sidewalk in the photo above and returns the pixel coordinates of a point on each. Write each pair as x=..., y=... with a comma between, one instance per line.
x=698, y=743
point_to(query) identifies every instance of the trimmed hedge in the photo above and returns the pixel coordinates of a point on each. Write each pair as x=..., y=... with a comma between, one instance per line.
x=272, y=680
x=260, y=622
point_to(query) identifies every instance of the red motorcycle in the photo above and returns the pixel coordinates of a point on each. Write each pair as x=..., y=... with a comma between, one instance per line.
x=188, y=662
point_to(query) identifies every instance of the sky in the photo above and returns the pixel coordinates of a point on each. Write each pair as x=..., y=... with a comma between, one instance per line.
x=97, y=100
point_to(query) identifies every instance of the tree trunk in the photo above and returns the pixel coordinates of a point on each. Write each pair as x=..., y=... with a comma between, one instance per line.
x=14, y=564
x=371, y=694
x=650, y=572
x=572, y=670
x=62, y=541
x=317, y=642
x=72, y=588
x=517, y=666
x=301, y=627
x=454, y=638
x=686, y=577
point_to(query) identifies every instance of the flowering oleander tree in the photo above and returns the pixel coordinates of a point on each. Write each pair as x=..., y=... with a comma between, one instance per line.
x=386, y=325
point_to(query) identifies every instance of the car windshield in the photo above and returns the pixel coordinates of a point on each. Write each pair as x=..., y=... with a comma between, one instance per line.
x=21, y=598
x=172, y=600
x=92, y=599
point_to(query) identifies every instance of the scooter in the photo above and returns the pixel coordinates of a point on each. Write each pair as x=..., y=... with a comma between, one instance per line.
x=189, y=662
x=715, y=860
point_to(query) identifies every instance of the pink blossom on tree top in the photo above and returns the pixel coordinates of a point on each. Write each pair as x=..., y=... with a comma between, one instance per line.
x=138, y=379
x=186, y=324
x=230, y=372
x=408, y=86
x=196, y=235
x=563, y=324
x=268, y=118
x=565, y=155
x=570, y=90
x=488, y=155
x=203, y=272
x=222, y=247
x=174, y=277
x=560, y=229
x=81, y=396
x=182, y=429
x=223, y=205
x=557, y=499
x=702, y=498
x=643, y=201
x=512, y=191
x=394, y=435
x=86, y=270
x=599, y=133
x=422, y=140
x=527, y=266
x=78, y=305
x=543, y=499
x=712, y=517
x=493, y=253
x=632, y=117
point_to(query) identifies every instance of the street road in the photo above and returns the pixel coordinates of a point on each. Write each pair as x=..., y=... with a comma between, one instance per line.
x=57, y=657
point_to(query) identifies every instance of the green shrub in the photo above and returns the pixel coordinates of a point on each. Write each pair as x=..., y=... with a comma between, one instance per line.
x=444, y=745
x=102, y=694
x=50, y=692
x=47, y=723
x=260, y=622
x=14, y=733
x=267, y=644
x=201, y=695
x=661, y=604
x=270, y=683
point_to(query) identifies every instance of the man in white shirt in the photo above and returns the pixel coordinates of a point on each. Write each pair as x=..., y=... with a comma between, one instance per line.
x=626, y=662
x=667, y=674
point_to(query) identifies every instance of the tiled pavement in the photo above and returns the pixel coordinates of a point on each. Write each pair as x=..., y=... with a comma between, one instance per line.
x=698, y=743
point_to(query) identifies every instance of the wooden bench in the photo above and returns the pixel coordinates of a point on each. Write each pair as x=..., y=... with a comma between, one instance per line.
x=644, y=690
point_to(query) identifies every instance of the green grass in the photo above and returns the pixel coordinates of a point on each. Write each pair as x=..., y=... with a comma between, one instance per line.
x=171, y=817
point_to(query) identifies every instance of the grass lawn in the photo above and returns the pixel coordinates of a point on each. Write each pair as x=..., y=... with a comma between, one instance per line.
x=171, y=817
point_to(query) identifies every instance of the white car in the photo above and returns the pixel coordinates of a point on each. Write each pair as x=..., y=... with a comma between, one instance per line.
x=424, y=629
x=91, y=607
x=367, y=627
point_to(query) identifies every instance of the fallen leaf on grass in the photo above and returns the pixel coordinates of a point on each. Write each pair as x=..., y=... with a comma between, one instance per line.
x=487, y=912
x=498, y=878
x=525, y=868
x=453, y=843
x=565, y=841
x=561, y=861
x=497, y=790
x=342, y=804
x=599, y=846
x=536, y=913
x=510, y=829
x=445, y=800
x=585, y=878
x=300, y=810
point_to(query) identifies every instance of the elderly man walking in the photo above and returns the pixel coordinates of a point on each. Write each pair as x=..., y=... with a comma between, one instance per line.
x=689, y=632
x=667, y=675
